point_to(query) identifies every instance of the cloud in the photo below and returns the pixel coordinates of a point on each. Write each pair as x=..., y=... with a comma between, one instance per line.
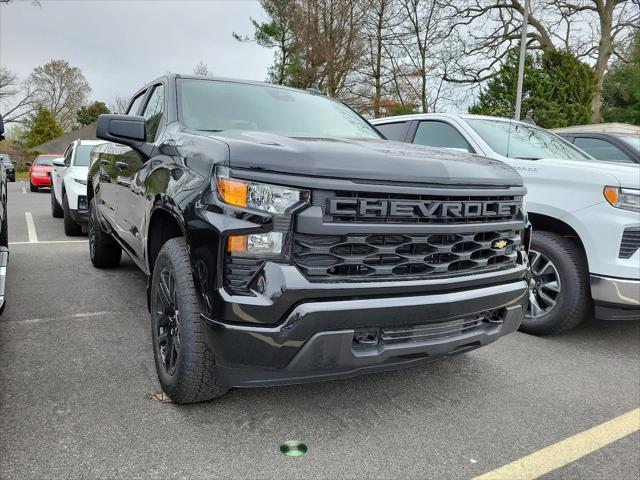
x=121, y=45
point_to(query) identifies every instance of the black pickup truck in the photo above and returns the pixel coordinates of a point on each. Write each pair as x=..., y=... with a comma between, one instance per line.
x=286, y=241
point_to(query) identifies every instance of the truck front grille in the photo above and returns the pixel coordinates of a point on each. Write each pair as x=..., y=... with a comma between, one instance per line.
x=630, y=242
x=391, y=257
x=431, y=331
x=476, y=204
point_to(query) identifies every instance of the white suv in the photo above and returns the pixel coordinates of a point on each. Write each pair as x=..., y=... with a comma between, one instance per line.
x=69, y=186
x=585, y=214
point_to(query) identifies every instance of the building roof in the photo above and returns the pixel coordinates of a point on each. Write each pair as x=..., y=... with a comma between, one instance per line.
x=60, y=144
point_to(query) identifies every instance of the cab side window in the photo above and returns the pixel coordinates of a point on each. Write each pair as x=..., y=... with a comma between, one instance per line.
x=601, y=149
x=68, y=155
x=153, y=112
x=134, y=107
x=394, y=131
x=434, y=133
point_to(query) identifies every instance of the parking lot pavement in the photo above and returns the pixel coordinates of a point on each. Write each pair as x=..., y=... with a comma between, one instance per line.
x=77, y=373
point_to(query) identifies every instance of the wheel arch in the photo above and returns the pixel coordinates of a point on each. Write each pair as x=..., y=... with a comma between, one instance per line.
x=547, y=223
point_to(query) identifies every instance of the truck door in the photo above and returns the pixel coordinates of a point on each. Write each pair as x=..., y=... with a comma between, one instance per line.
x=131, y=188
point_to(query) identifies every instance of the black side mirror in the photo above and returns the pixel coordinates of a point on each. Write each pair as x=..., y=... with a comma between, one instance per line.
x=1, y=128
x=129, y=130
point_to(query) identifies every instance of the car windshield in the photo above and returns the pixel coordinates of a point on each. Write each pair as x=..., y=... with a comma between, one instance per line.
x=633, y=140
x=7, y=162
x=46, y=160
x=211, y=105
x=515, y=140
x=82, y=156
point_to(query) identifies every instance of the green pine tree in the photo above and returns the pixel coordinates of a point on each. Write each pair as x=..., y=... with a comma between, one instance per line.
x=88, y=114
x=43, y=128
x=556, y=92
x=622, y=88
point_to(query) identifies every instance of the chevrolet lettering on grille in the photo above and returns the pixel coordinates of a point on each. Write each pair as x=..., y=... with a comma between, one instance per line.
x=418, y=209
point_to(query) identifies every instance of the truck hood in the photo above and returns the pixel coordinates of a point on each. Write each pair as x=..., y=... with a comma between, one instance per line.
x=627, y=174
x=364, y=159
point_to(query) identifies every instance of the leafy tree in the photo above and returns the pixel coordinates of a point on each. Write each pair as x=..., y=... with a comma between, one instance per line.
x=43, y=129
x=62, y=89
x=276, y=33
x=557, y=90
x=89, y=113
x=622, y=88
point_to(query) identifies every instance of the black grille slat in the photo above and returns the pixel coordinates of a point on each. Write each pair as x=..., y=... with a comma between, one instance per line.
x=630, y=242
x=239, y=272
x=392, y=256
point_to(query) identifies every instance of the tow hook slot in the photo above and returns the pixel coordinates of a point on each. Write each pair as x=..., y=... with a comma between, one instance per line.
x=369, y=336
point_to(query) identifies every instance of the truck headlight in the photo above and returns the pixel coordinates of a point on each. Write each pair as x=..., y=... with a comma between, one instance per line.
x=269, y=198
x=269, y=243
x=625, y=198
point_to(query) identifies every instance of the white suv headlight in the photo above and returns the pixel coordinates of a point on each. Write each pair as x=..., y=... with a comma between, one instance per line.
x=625, y=198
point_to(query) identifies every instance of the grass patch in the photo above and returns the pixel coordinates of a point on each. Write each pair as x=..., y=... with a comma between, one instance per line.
x=22, y=176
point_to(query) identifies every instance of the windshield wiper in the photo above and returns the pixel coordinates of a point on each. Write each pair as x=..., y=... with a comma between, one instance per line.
x=528, y=158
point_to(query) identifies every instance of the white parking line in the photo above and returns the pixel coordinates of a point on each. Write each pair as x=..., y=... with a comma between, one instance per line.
x=24, y=190
x=31, y=228
x=49, y=242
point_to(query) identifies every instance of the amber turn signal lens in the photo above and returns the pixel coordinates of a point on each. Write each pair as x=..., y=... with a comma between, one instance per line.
x=611, y=194
x=233, y=192
x=237, y=244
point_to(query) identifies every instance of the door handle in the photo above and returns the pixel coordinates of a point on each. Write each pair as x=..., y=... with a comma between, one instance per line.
x=122, y=165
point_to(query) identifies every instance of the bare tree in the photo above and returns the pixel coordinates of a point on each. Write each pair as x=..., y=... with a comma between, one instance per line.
x=119, y=104
x=201, y=69
x=18, y=100
x=62, y=89
x=328, y=43
x=591, y=29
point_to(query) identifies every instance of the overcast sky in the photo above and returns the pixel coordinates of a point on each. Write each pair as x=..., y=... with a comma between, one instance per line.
x=121, y=45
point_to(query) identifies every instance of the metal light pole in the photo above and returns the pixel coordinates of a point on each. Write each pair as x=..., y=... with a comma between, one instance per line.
x=523, y=51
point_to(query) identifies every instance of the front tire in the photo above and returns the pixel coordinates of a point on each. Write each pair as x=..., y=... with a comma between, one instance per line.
x=32, y=187
x=71, y=227
x=56, y=209
x=559, y=298
x=185, y=365
x=103, y=250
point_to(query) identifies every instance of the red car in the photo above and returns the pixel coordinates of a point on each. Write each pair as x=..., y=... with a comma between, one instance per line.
x=40, y=171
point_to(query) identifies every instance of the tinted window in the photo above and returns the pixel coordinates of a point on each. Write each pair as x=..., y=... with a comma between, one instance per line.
x=439, y=134
x=153, y=112
x=600, y=149
x=46, y=160
x=67, y=156
x=516, y=140
x=135, y=105
x=393, y=131
x=83, y=155
x=633, y=140
x=214, y=106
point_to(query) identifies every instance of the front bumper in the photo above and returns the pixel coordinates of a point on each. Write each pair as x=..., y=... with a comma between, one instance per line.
x=80, y=216
x=316, y=341
x=40, y=181
x=615, y=298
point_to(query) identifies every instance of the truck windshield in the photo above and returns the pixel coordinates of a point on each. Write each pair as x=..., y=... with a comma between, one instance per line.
x=211, y=105
x=515, y=140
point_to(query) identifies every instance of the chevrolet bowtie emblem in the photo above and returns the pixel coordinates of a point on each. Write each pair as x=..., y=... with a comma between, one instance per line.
x=499, y=244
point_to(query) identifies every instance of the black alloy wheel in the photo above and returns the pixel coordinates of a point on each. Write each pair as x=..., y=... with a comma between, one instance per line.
x=167, y=321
